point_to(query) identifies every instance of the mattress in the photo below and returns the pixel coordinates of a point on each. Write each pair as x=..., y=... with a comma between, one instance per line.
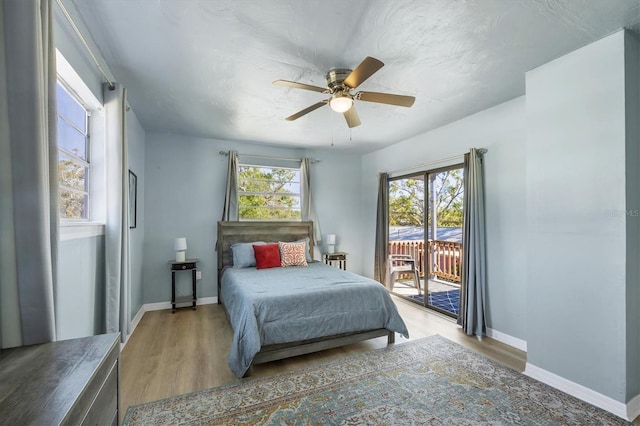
x=290, y=304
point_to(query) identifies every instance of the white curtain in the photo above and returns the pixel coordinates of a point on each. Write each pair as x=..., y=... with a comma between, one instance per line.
x=230, y=209
x=474, y=271
x=308, y=209
x=117, y=265
x=28, y=173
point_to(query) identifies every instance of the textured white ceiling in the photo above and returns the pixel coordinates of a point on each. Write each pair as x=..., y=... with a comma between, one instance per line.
x=205, y=67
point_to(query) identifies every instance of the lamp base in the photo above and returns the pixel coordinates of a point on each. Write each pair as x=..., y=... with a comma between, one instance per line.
x=331, y=249
x=180, y=256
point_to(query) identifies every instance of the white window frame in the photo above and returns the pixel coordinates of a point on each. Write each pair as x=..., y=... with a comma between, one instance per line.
x=294, y=195
x=94, y=224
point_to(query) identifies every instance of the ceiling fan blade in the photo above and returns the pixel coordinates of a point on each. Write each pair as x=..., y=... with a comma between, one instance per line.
x=386, y=98
x=300, y=85
x=306, y=110
x=351, y=115
x=363, y=71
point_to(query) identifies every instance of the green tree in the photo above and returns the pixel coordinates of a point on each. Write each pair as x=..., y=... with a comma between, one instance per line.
x=406, y=200
x=72, y=205
x=268, y=193
x=449, y=188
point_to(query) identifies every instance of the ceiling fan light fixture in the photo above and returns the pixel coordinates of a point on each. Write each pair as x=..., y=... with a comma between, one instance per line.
x=341, y=103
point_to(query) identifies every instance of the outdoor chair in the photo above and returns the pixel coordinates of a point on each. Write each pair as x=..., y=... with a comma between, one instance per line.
x=403, y=264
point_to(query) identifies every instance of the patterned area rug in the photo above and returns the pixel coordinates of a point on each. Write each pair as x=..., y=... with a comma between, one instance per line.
x=427, y=381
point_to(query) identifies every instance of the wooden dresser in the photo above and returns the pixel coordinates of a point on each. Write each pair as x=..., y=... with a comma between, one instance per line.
x=67, y=382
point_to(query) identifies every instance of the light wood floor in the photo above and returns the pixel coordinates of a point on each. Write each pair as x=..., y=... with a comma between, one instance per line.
x=170, y=354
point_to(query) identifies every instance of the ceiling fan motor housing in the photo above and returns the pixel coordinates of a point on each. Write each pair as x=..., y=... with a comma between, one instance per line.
x=335, y=80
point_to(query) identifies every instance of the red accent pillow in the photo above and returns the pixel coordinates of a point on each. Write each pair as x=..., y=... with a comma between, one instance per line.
x=267, y=255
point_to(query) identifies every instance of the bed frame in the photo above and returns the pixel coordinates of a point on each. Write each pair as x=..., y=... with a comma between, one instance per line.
x=244, y=232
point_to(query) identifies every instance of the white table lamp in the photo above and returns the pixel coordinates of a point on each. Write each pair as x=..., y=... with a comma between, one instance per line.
x=331, y=243
x=180, y=246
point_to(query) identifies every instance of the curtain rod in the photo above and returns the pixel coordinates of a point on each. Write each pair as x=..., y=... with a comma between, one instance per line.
x=84, y=42
x=455, y=157
x=226, y=153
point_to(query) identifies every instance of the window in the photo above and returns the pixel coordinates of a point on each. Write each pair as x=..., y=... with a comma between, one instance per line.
x=268, y=193
x=81, y=155
x=73, y=156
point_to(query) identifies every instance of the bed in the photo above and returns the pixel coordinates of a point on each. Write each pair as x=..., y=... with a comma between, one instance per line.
x=281, y=312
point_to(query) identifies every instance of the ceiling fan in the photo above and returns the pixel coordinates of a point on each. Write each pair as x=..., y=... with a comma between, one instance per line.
x=340, y=83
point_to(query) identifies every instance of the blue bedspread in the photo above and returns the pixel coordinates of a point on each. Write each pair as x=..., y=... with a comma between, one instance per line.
x=281, y=305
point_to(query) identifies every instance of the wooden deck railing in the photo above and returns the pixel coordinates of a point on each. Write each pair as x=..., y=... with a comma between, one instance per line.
x=445, y=257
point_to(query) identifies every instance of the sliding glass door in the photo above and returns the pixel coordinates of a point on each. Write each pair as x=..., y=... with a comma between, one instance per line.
x=427, y=270
x=406, y=236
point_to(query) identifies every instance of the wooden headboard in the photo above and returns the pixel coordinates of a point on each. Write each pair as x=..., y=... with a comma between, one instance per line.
x=246, y=232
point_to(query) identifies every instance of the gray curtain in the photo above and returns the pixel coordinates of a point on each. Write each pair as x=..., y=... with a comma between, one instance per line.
x=308, y=209
x=472, y=291
x=382, y=230
x=28, y=173
x=117, y=265
x=230, y=209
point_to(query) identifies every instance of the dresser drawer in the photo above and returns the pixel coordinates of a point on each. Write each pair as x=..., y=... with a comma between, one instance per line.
x=105, y=405
x=86, y=402
x=183, y=266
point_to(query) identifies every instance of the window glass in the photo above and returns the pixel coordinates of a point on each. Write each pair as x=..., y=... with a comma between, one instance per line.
x=71, y=139
x=73, y=205
x=73, y=156
x=268, y=193
x=71, y=109
x=71, y=174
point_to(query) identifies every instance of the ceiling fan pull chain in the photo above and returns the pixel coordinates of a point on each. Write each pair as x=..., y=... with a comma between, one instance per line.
x=332, y=126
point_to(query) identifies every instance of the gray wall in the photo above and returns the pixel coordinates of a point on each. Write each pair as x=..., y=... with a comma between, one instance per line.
x=81, y=286
x=576, y=202
x=184, y=192
x=136, y=140
x=501, y=130
x=632, y=108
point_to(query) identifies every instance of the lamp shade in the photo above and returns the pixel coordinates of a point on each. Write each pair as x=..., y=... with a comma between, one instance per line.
x=180, y=244
x=341, y=103
x=331, y=239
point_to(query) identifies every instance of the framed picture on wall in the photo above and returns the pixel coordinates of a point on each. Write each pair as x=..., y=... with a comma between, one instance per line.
x=133, y=198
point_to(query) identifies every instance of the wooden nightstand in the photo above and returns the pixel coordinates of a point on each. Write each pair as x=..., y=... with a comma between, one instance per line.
x=340, y=257
x=187, y=265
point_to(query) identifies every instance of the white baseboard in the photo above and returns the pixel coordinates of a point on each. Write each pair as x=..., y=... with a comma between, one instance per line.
x=207, y=300
x=167, y=305
x=134, y=323
x=618, y=408
x=507, y=340
x=147, y=307
x=633, y=408
x=136, y=319
x=159, y=306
